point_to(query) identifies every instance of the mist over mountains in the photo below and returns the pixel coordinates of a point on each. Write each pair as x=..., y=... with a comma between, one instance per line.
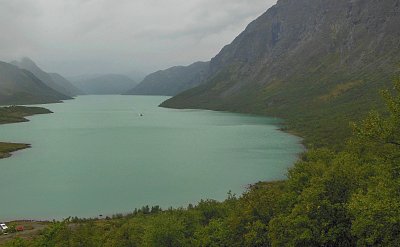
x=327, y=71
x=305, y=60
x=24, y=82
x=172, y=81
x=54, y=81
x=20, y=86
x=104, y=84
x=301, y=60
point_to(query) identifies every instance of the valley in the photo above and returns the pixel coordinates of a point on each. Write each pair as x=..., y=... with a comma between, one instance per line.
x=286, y=133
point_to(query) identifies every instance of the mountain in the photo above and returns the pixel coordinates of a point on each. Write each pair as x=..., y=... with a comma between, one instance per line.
x=173, y=80
x=66, y=84
x=104, y=84
x=316, y=63
x=62, y=86
x=136, y=75
x=19, y=86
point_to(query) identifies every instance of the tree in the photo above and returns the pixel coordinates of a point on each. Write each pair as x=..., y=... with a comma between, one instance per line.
x=165, y=230
x=376, y=207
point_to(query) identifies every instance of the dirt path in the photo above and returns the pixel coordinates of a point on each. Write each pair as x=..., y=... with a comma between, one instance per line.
x=32, y=229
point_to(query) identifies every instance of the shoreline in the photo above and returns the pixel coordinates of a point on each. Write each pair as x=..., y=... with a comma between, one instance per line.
x=17, y=114
x=8, y=148
x=280, y=126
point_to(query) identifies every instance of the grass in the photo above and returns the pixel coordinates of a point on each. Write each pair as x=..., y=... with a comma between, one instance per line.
x=7, y=148
x=16, y=114
x=31, y=230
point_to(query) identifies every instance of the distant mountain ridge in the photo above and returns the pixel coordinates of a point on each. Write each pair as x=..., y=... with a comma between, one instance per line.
x=172, y=81
x=20, y=86
x=54, y=81
x=307, y=61
x=104, y=84
x=66, y=84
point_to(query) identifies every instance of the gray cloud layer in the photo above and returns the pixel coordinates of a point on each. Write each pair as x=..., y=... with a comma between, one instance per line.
x=97, y=36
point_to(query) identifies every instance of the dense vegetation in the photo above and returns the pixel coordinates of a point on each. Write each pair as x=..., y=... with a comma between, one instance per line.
x=331, y=198
x=15, y=114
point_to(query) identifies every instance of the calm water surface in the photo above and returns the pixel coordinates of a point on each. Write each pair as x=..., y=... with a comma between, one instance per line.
x=97, y=155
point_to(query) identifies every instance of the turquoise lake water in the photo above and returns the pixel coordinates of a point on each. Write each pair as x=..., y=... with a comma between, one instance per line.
x=97, y=155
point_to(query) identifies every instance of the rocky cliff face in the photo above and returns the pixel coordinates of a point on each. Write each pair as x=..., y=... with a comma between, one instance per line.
x=304, y=57
x=172, y=81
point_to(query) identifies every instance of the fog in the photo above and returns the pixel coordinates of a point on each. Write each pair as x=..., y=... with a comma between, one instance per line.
x=76, y=37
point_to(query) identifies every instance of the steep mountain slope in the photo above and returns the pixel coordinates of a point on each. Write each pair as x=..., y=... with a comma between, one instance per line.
x=173, y=80
x=67, y=85
x=317, y=63
x=104, y=84
x=28, y=64
x=19, y=86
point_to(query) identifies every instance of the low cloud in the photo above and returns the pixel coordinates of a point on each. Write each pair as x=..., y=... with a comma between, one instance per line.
x=96, y=36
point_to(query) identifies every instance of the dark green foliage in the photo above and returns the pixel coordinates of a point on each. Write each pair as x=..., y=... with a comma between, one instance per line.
x=345, y=198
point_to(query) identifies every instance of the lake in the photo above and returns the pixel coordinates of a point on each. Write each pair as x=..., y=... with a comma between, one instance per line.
x=97, y=155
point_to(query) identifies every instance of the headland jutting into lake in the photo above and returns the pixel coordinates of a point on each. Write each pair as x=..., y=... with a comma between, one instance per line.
x=16, y=114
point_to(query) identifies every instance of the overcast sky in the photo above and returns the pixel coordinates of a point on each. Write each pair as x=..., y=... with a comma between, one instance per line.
x=76, y=37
